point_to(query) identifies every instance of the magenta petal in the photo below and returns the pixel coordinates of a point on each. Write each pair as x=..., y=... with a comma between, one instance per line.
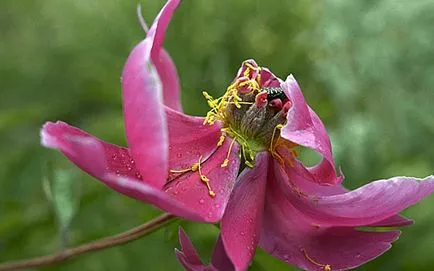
x=220, y=259
x=294, y=238
x=189, y=189
x=186, y=264
x=191, y=261
x=169, y=78
x=189, y=139
x=306, y=129
x=83, y=150
x=148, y=194
x=110, y=164
x=188, y=250
x=299, y=177
x=145, y=121
x=159, y=26
x=165, y=67
x=241, y=223
x=394, y=221
x=369, y=204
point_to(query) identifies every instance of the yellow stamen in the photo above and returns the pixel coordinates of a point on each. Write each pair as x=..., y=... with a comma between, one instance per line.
x=326, y=267
x=246, y=151
x=226, y=161
x=277, y=140
x=194, y=167
x=221, y=140
x=272, y=147
x=205, y=180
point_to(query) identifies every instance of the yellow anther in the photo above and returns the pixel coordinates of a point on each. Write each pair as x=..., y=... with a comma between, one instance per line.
x=226, y=161
x=207, y=96
x=247, y=71
x=248, y=65
x=205, y=180
x=221, y=140
x=258, y=79
x=272, y=146
x=326, y=267
x=195, y=166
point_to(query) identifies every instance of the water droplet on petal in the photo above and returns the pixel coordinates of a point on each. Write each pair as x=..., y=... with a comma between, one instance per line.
x=358, y=256
x=242, y=233
x=217, y=206
x=118, y=172
x=210, y=214
x=286, y=257
x=201, y=201
x=179, y=155
x=115, y=157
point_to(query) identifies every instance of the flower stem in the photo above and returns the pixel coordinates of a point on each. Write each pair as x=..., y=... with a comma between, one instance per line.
x=100, y=244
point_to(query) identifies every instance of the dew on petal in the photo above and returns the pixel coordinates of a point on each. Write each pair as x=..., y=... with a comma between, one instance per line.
x=242, y=233
x=179, y=155
x=201, y=201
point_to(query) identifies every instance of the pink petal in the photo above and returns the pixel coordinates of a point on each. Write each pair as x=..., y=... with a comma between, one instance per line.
x=300, y=178
x=191, y=261
x=369, y=204
x=189, y=139
x=164, y=65
x=241, y=223
x=186, y=264
x=96, y=157
x=148, y=194
x=115, y=160
x=145, y=121
x=220, y=259
x=159, y=26
x=169, y=77
x=306, y=129
x=189, y=189
x=268, y=79
x=188, y=250
x=293, y=237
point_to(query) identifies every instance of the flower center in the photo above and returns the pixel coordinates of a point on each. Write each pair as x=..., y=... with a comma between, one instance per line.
x=252, y=113
x=253, y=110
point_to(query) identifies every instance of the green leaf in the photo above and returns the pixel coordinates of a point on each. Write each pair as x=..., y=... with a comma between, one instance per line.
x=62, y=188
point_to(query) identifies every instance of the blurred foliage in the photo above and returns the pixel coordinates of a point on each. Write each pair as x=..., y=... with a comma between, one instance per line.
x=365, y=66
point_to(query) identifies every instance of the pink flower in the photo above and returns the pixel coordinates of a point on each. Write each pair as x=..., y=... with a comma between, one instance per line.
x=189, y=166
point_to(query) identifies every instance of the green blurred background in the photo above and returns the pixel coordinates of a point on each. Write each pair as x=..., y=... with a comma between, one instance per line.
x=365, y=66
